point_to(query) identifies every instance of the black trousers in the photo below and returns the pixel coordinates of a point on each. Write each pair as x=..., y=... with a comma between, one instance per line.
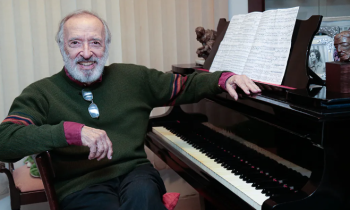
x=140, y=189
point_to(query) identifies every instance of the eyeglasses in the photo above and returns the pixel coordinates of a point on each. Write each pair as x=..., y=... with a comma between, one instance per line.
x=93, y=109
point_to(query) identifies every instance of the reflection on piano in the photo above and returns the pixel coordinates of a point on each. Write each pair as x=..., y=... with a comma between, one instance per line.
x=284, y=149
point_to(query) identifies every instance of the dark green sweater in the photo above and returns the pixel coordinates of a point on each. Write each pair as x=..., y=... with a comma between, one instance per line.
x=125, y=98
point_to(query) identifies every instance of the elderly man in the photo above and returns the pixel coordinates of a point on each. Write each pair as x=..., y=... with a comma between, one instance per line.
x=93, y=119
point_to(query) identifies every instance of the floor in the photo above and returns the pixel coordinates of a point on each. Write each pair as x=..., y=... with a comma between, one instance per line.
x=5, y=205
x=189, y=200
x=184, y=204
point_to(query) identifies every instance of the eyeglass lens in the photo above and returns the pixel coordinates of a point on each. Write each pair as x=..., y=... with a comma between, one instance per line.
x=93, y=109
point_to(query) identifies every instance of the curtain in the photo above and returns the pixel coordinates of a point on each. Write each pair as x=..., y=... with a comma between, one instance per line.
x=154, y=33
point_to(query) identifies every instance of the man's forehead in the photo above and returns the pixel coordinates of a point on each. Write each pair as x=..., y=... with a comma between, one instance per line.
x=84, y=22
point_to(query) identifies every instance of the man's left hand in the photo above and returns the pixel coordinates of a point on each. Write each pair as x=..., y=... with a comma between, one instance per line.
x=242, y=81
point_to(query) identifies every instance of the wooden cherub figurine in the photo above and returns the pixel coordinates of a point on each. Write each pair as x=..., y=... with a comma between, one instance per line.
x=342, y=45
x=207, y=38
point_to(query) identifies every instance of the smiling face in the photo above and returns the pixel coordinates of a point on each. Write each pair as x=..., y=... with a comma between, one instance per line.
x=85, y=51
x=313, y=57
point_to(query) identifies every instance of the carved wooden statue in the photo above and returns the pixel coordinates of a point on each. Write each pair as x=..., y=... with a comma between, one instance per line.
x=207, y=38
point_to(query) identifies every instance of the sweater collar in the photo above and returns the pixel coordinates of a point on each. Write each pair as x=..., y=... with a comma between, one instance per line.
x=81, y=83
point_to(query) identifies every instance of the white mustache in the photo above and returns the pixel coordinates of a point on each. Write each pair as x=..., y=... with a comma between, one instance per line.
x=91, y=59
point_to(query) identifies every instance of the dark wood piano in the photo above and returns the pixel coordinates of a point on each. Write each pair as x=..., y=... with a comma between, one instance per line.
x=286, y=148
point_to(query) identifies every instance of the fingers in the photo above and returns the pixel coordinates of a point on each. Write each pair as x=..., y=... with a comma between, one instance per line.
x=231, y=90
x=101, y=150
x=106, y=148
x=92, y=154
x=110, y=148
x=245, y=83
x=252, y=86
x=98, y=142
x=242, y=81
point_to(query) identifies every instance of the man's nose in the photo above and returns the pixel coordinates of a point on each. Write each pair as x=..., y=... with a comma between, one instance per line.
x=86, y=52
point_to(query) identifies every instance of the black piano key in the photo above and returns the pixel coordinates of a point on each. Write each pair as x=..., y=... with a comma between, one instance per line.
x=251, y=175
x=266, y=183
x=256, y=180
x=276, y=191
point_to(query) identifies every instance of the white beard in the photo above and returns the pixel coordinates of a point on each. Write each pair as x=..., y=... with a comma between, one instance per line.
x=85, y=76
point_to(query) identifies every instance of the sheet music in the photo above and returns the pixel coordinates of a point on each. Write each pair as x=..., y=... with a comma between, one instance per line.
x=257, y=45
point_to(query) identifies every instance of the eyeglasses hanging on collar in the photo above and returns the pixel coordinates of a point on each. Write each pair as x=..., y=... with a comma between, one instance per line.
x=93, y=109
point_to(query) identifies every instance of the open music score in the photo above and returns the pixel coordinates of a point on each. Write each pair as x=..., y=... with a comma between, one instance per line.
x=257, y=45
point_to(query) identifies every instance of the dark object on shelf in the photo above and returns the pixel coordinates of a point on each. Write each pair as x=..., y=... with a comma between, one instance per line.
x=338, y=77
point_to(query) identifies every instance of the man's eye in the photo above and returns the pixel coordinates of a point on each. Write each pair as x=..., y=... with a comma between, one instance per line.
x=95, y=42
x=74, y=42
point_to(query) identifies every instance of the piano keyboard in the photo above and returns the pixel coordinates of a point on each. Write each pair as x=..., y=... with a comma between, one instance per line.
x=254, y=187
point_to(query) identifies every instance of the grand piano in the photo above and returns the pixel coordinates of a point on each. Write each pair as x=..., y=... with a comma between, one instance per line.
x=286, y=148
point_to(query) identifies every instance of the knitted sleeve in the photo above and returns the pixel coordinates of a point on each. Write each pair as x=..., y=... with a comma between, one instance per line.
x=24, y=131
x=173, y=89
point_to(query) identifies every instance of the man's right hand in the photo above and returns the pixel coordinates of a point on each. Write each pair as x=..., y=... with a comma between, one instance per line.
x=98, y=142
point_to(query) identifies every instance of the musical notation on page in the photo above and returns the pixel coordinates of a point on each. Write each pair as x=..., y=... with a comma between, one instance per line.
x=257, y=45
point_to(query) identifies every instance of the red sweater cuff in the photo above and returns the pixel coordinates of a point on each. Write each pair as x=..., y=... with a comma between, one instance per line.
x=72, y=131
x=224, y=76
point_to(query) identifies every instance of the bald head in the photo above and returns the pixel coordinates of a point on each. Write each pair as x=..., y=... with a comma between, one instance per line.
x=84, y=22
x=59, y=35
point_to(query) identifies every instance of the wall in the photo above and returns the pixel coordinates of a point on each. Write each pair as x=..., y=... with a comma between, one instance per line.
x=327, y=8
x=154, y=33
x=236, y=7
